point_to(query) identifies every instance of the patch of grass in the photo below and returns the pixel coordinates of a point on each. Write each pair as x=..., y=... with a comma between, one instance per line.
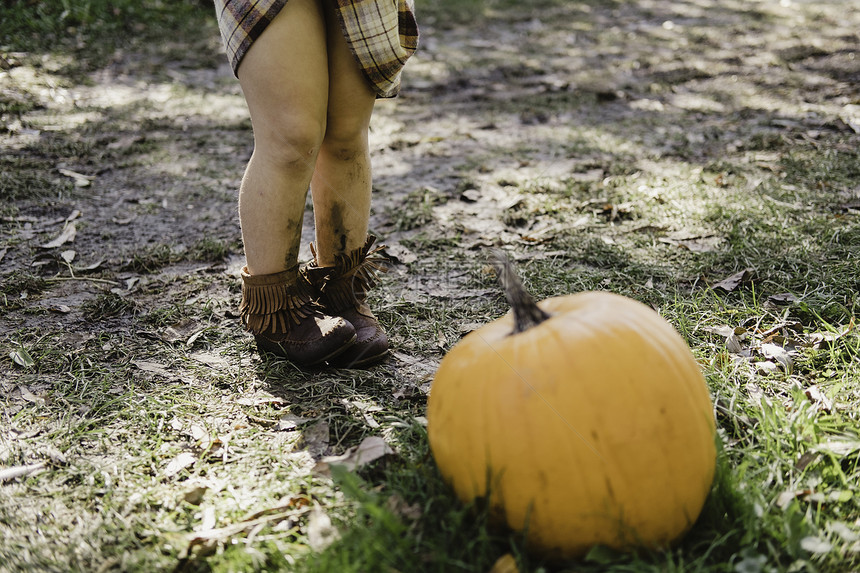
x=166, y=316
x=211, y=250
x=17, y=103
x=416, y=209
x=189, y=455
x=33, y=172
x=150, y=259
x=384, y=533
x=92, y=30
x=16, y=284
x=31, y=177
x=18, y=288
x=447, y=12
x=106, y=305
x=822, y=171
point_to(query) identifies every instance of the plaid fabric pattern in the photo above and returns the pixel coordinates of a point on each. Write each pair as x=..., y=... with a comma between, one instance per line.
x=241, y=22
x=382, y=34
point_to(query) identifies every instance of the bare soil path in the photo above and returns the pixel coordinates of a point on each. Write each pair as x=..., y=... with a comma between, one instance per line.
x=584, y=134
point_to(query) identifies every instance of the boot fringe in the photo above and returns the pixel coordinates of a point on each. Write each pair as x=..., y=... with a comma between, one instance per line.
x=272, y=303
x=346, y=284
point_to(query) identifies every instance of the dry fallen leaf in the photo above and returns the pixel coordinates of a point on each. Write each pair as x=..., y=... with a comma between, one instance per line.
x=818, y=339
x=21, y=357
x=195, y=495
x=200, y=435
x=291, y=422
x=315, y=438
x=25, y=393
x=398, y=506
x=80, y=179
x=765, y=367
x=181, y=331
x=732, y=283
x=321, y=532
x=733, y=344
x=179, y=463
x=505, y=564
x=212, y=360
x=699, y=244
x=782, y=299
x=819, y=399
x=20, y=471
x=152, y=367
x=369, y=450
x=66, y=236
x=777, y=353
x=400, y=254
x=805, y=459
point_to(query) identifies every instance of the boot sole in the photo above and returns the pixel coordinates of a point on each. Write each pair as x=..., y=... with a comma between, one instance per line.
x=361, y=361
x=277, y=350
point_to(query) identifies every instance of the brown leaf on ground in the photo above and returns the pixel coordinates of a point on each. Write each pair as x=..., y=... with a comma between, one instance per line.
x=819, y=399
x=321, y=532
x=507, y=563
x=778, y=354
x=818, y=339
x=152, y=367
x=80, y=179
x=782, y=299
x=181, y=331
x=179, y=463
x=700, y=244
x=67, y=235
x=20, y=471
x=735, y=281
x=369, y=450
x=315, y=438
x=398, y=506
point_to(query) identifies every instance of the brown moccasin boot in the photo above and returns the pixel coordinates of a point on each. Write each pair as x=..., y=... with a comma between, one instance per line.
x=280, y=311
x=342, y=291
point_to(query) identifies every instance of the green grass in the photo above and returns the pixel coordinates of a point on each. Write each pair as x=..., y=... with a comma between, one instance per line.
x=90, y=31
x=156, y=420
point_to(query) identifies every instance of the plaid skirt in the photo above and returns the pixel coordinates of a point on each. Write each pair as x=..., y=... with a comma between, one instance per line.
x=382, y=34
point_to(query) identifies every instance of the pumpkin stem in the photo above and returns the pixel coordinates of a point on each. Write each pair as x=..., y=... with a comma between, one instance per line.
x=527, y=313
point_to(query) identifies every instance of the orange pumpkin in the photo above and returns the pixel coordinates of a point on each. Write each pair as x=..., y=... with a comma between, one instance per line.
x=584, y=419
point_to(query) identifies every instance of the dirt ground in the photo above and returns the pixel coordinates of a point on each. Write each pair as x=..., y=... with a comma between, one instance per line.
x=119, y=236
x=149, y=151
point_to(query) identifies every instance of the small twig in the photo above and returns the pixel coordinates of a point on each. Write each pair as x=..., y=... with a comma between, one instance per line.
x=21, y=471
x=92, y=280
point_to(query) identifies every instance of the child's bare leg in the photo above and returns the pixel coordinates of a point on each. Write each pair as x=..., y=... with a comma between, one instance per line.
x=284, y=77
x=341, y=192
x=342, y=182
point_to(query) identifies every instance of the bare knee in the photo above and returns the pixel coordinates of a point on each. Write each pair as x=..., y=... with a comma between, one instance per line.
x=289, y=141
x=346, y=141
